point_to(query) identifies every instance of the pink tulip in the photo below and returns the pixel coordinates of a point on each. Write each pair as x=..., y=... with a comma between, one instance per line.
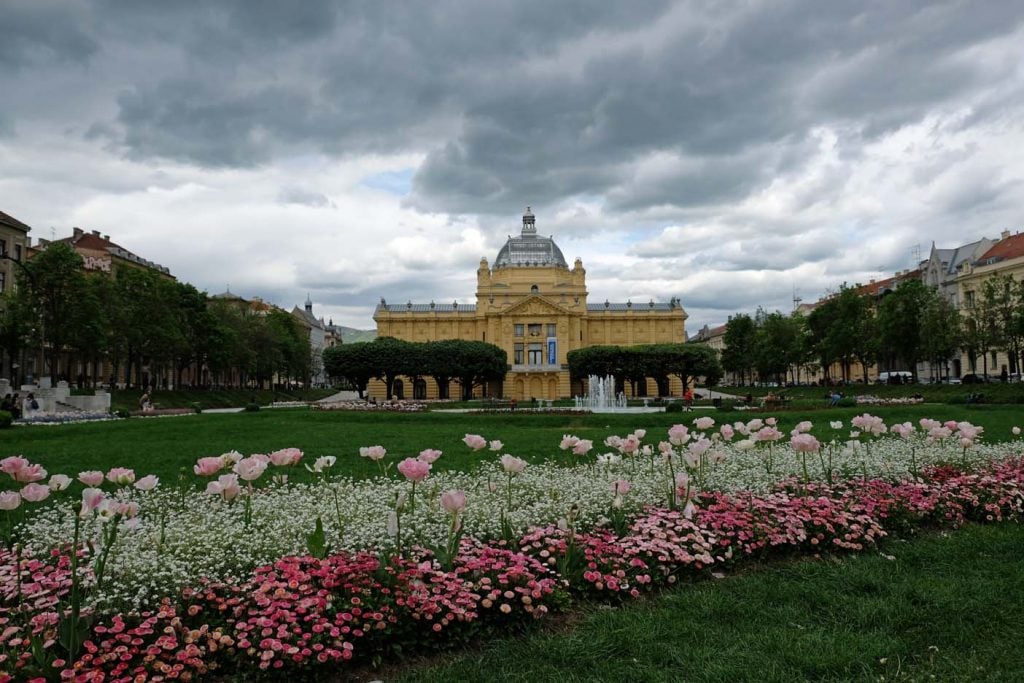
x=250, y=468
x=928, y=424
x=9, y=500
x=429, y=455
x=453, y=501
x=640, y=434
x=30, y=473
x=413, y=469
x=512, y=464
x=91, y=499
x=582, y=447
x=206, y=467
x=700, y=446
x=755, y=424
x=147, y=483
x=568, y=441
x=704, y=422
x=34, y=493
x=122, y=476
x=226, y=486
x=231, y=457
x=13, y=464
x=91, y=478
x=665, y=448
x=804, y=443
x=59, y=482
x=802, y=427
x=475, y=441
x=373, y=452
x=1016, y=431
x=495, y=445
x=950, y=424
x=768, y=434
x=629, y=445
x=727, y=432
x=286, y=457
x=678, y=434
x=261, y=457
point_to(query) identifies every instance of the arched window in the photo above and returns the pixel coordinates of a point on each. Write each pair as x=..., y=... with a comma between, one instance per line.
x=534, y=289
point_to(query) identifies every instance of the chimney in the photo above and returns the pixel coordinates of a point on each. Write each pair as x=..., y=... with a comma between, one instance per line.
x=96, y=233
x=1004, y=234
x=78, y=232
x=106, y=237
x=871, y=281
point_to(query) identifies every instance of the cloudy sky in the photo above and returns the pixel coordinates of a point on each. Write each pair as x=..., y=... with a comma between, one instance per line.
x=726, y=153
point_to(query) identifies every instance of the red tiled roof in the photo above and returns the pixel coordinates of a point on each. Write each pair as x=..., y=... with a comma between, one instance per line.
x=12, y=222
x=88, y=240
x=1011, y=247
x=875, y=288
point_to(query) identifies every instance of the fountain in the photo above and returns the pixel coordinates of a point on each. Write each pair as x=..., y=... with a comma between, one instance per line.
x=601, y=396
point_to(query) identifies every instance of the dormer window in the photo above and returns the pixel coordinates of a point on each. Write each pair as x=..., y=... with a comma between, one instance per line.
x=534, y=289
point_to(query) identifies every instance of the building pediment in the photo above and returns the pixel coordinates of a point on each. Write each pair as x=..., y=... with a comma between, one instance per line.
x=537, y=305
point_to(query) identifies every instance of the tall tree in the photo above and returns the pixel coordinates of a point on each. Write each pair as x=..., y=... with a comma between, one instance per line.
x=900, y=323
x=51, y=285
x=940, y=333
x=740, y=342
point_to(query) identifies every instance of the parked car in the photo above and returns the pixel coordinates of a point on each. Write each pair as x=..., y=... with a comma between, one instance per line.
x=973, y=379
x=896, y=377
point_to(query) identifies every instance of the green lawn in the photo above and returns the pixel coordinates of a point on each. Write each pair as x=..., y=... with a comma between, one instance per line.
x=164, y=445
x=946, y=608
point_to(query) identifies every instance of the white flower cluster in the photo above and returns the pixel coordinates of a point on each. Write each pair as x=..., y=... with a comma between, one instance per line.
x=185, y=535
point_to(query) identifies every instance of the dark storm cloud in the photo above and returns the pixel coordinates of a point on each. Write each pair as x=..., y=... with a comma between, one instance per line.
x=43, y=31
x=533, y=100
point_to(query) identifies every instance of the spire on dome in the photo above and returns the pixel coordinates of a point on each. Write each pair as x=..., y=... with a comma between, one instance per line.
x=309, y=304
x=529, y=225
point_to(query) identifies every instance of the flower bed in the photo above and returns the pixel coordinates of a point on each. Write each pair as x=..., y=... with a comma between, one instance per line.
x=364, y=406
x=236, y=578
x=892, y=401
x=65, y=418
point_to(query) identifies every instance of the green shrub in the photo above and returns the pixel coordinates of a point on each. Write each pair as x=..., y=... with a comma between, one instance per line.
x=727, y=406
x=674, y=407
x=196, y=406
x=847, y=402
x=252, y=407
x=6, y=419
x=122, y=413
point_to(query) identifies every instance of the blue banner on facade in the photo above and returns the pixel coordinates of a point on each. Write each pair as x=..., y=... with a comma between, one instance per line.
x=552, y=351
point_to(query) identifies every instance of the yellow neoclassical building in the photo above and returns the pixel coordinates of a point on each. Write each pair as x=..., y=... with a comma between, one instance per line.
x=532, y=305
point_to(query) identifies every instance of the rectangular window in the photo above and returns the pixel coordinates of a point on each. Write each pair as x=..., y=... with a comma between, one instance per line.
x=518, y=329
x=536, y=355
x=534, y=329
x=17, y=252
x=552, y=329
x=518, y=354
x=3, y=281
x=3, y=247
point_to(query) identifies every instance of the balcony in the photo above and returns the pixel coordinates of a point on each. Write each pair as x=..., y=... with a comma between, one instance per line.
x=536, y=368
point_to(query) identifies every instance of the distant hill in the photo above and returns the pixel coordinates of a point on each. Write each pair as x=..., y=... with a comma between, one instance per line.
x=351, y=334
